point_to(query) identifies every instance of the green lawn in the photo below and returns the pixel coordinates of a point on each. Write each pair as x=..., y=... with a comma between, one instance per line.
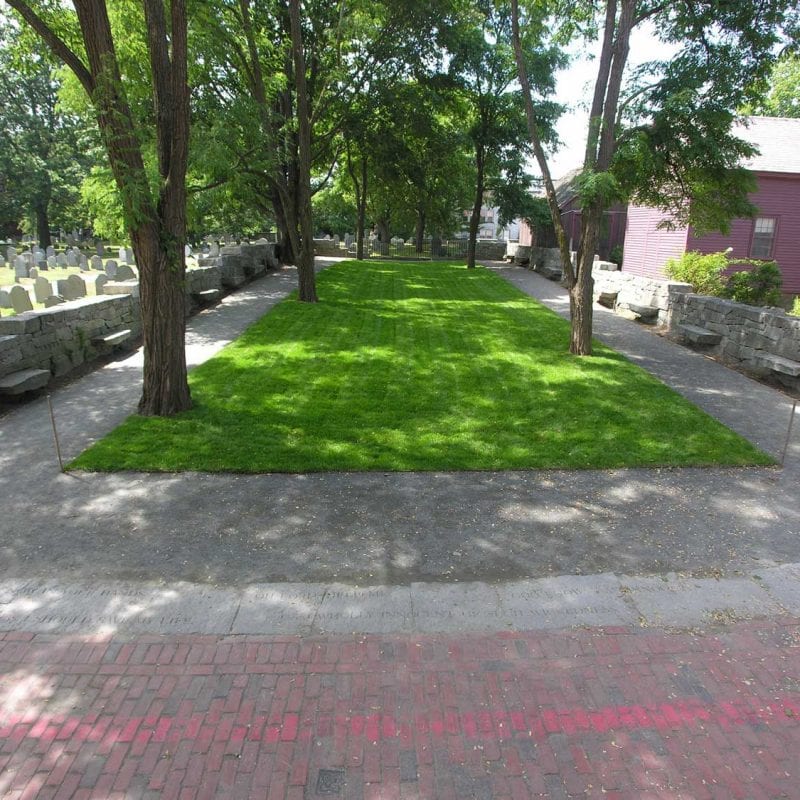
x=412, y=366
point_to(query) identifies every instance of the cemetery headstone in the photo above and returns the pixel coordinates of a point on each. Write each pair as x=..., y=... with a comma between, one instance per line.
x=33, y=272
x=54, y=300
x=20, y=300
x=42, y=289
x=61, y=260
x=11, y=254
x=129, y=255
x=111, y=268
x=83, y=263
x=51, y=251
x=187, y=250
x=72, y=259
x=97, y=263
x=123, y=255
x=213, y=250
x=51, y=262
x=20, y=268
x=125, y=273
x=99, y=282
x=5, y=299
x=77, y=287
x=101, y=249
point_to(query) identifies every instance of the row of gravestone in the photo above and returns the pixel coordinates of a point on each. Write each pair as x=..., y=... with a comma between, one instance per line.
x=72, y=288
x=48, y=259
x=23, y=266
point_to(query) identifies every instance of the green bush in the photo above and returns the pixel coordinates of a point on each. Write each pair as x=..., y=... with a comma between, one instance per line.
x=760, y=286
x=616, y=255
x=703, y=271
x=796, y=307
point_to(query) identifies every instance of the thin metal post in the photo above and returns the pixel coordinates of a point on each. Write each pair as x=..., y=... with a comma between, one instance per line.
x=55, y=433
x=789, y=432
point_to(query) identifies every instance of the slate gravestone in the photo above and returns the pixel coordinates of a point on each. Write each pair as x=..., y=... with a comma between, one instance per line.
x=83, y=263
x=213, y=250
x=20, y=268
x=42, y=289
x=111, y=268
x=54, y=300
x=5, y=299
x=11, y=254
x=129, y=256
x=99, y=282
x=125, y=273
x=27, y=257
x=187, y=250
x=77, y=286
x=97, y=263
x=123, y=255
x=101, y=249
x=20, y=300
x=51, y=251
x=61, y=260
x=51, y=262
x=33, y=272
x=72, y=259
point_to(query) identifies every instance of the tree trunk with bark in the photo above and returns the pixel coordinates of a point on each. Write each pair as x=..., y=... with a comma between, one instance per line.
x=42, y=224
x=419, y=237
x=475, y=219
x=305, y=256
x=157, y=225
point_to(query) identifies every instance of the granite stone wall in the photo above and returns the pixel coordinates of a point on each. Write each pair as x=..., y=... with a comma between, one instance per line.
x=62, y=338
x=637, y=291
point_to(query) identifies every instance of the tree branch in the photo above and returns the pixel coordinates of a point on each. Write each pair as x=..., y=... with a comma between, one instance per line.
x=55, y=43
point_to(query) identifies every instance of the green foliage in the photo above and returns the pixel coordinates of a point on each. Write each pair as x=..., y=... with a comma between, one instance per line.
x=703, y=271
x=418, y=367
x=334, y=212
x=795, y=311
x=759, y=286
x=616, y=254
x=781, y=90
x=103, y=205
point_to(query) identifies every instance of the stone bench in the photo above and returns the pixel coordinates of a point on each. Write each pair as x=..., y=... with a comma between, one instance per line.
x=26, y=380
x=112, y=339
x=552, y=273
x=607, y=299
x=207, y=296
x=698, y=335
x=783, y=366
x=644, y=313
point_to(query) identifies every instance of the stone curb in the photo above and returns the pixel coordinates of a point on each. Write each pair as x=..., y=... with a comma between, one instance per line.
x=671, y=601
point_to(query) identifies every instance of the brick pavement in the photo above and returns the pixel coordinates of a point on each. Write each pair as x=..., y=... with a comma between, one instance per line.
x=618, y=712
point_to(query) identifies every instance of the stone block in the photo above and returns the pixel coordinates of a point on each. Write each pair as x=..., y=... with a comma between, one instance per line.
x=27, y=380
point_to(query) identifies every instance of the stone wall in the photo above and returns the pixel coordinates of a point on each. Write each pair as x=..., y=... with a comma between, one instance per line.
x=637, y=291
x=62, y=338
x=760, y=340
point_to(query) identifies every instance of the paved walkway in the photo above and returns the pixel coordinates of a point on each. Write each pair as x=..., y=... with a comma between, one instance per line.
x=626, y=633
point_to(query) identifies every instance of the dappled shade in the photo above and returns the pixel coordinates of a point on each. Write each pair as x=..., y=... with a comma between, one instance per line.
x=418, y=366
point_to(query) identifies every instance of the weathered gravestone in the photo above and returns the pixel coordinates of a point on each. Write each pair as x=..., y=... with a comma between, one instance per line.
x=5, y=299
x=101, y=249
x=33, y=273
x=99, y=282
x=51, y=251
x=213, y=250
x=125, y=273
x=51, y=262
x=97, y=263
x=20, y=300
x=187, y=250
x=77, y=288
x=111, y=268
x=54, y=300
x=42, y=289
x=122, y=254
x=83, y=263
x=20, y=268
x=61, y=260
x=11, y=254
x=72, y=259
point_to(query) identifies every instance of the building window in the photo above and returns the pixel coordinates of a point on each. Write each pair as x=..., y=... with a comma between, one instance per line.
x=763, y=237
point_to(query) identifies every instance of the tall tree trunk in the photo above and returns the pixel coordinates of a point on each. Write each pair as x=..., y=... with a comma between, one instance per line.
x=42, y=224
x=305, y=256
x=420, y=232
x=475, y=219
x=360, y=189
x=284, y=239
x=382, y=225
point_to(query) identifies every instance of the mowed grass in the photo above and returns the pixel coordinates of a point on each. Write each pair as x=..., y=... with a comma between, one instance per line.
x=418, y=366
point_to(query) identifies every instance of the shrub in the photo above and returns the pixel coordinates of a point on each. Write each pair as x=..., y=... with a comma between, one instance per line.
x=616, y=255
x=704, y=272
x=796, y=307
x=760, y=286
